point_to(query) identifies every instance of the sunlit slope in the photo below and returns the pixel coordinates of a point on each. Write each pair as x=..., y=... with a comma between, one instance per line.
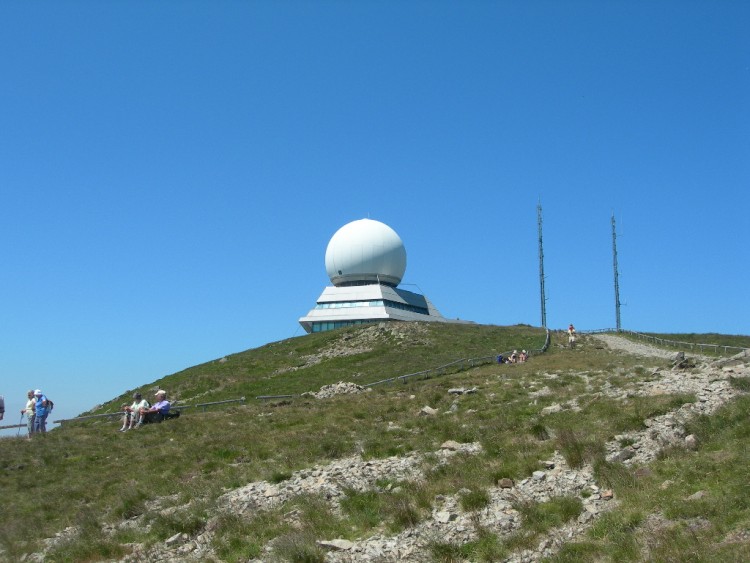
x=358, y=354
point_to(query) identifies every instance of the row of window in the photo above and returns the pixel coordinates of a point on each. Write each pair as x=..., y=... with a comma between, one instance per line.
x=374, y=303
x=346, y=304
x=326, y=325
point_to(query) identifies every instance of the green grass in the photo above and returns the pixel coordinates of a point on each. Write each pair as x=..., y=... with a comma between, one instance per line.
x=93, y=477
x=712, y=528
x=691, y=343
x=735, y=340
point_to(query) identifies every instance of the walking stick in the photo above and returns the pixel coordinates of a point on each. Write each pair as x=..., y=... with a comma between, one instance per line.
x=20, y=422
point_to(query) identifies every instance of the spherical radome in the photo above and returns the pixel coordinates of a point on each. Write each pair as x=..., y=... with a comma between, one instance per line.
x=365, y=251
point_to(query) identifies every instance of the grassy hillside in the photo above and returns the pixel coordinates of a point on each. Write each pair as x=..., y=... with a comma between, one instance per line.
x=358, y=354
x=169, y=477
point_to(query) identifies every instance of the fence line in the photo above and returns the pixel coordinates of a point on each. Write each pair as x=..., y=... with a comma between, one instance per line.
x=692, y=346
x=717, y=348
x=460, y=365
x=203, y=406
x=457, y=365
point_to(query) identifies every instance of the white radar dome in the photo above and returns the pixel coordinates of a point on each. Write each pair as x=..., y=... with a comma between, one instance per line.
x=365, y=251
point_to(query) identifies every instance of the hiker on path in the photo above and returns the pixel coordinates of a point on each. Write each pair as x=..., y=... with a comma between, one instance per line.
x=157, y=412
x=41, y=410
x=132, y=414
x=571, y=335
x=29, y=411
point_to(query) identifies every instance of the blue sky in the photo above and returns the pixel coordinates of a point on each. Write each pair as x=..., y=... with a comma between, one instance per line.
x=171, y=172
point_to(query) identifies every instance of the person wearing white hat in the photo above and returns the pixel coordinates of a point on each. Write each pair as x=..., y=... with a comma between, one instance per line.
x=40, y=412
x=158, y=410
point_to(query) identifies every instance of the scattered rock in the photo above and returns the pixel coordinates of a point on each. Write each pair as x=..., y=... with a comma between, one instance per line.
x=450, y=445
x=450, y=522
x=643, y=472
x=625, y=454
x=338, y=545
x=462, y=391
x=340, y=388
x=445, y=517
x=176, y=539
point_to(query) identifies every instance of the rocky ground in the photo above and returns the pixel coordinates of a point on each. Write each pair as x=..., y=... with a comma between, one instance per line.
x=709, y=382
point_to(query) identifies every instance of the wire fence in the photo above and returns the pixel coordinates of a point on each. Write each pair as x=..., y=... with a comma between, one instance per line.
x=453, y=367
x=202, y=406
x=717, y=349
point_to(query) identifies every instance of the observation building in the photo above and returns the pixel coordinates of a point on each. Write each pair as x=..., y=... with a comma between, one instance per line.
x=365, y=261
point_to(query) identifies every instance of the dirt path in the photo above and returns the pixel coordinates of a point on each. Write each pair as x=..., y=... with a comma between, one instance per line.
x=637, y=348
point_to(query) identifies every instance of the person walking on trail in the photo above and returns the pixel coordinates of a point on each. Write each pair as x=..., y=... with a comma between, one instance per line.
x=29, y=411
x=571, y=335
x=41, y=410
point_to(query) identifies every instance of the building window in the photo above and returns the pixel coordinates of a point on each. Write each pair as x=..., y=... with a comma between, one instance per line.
x=373, y=303
x=323, y=326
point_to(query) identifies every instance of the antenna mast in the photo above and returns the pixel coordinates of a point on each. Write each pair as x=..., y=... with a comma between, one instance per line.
x=541, y=266
x=617, y=276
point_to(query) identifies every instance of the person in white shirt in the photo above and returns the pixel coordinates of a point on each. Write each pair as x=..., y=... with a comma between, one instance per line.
x=29, y=411
x=132, y=415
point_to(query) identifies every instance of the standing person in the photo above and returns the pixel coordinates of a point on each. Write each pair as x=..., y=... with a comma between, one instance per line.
x=41, y=410
x=133, y=412
x=2, y=407
x=29, y=411
x=157, y=412
x=571, y=335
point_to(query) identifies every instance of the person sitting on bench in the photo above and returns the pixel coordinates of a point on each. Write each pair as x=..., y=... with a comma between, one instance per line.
x=158, y=411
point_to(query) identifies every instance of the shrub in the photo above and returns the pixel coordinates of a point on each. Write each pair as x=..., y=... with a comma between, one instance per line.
x=541, y=516
x=298, y=547
x=577, y=450
x=475, y=500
